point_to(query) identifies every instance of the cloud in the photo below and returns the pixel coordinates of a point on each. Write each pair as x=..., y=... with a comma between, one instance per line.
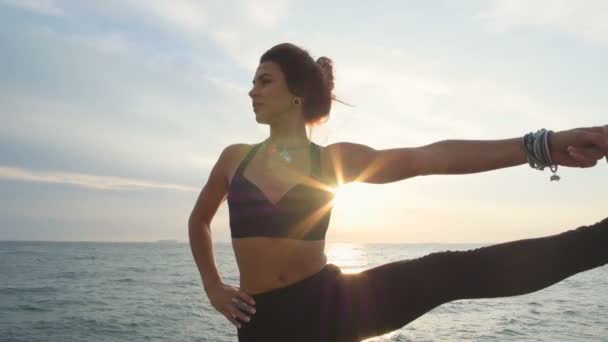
x=86, y=180
x=187, y=15
x=235, y=25
x=419, y=98
x=108, y=101
x=244, y=29
x=229, y=87
x=266, y=14
x=586, y=19
x=48, y=7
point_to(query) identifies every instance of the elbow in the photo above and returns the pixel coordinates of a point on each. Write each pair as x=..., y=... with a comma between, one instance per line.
x=196, y=224
x=429, y=160
x=198, y=232
x=191, y=223
x=403, y=163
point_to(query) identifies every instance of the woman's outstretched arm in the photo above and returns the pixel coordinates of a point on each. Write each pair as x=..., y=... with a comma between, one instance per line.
x=580, y=147
x=470, y=156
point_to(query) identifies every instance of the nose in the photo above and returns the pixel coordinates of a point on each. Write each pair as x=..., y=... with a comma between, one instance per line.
x=252, y=92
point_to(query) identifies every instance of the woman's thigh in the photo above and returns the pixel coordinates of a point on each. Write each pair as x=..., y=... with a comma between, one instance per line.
x=305, y=311
x=387, y=297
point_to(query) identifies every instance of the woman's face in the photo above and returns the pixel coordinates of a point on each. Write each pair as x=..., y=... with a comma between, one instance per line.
x=269, y=95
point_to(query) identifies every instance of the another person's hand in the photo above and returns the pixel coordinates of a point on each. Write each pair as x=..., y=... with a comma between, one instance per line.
x=234, y=304
x=580, y=147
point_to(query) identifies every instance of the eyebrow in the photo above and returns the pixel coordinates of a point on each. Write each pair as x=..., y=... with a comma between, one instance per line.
x=260, y=76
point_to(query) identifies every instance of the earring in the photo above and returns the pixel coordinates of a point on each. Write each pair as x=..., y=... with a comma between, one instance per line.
x=296, y=101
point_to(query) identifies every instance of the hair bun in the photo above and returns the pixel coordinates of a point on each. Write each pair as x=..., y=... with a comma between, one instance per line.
x=327, y=68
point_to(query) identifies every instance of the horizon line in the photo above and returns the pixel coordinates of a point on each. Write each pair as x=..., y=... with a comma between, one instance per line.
x=178, y=242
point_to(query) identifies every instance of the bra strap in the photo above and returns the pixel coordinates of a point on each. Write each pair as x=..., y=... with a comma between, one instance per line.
x=315, y=157
x=247, y=158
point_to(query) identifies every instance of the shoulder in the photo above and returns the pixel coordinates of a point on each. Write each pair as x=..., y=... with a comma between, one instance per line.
x=235, y=151
x=231, y=156
x=346, y=160
x=344, y=148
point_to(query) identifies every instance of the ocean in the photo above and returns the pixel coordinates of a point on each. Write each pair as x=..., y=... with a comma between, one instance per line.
x=87, y=291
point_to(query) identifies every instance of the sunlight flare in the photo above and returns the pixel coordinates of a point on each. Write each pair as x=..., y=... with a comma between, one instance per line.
x=347, y=256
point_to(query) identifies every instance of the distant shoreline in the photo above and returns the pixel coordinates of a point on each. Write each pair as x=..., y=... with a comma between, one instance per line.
x=179, y=242
x=97, y=241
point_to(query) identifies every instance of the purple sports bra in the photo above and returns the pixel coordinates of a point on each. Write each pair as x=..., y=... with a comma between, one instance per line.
x=302, y=213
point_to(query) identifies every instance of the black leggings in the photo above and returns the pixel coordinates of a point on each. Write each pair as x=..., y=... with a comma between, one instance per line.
x=332, y=306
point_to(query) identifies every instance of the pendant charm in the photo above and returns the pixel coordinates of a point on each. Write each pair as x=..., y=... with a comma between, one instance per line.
x=285, y=155
x=553, y=169
x=281, y=150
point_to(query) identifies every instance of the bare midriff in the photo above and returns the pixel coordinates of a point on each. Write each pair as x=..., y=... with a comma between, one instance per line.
x=268, y=263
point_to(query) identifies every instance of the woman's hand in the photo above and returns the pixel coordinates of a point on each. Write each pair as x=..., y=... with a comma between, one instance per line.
x=580, y=147
x=233, y=303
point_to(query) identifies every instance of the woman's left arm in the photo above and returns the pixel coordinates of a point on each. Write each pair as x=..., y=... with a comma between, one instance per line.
x=451, y=157
x=579, y=147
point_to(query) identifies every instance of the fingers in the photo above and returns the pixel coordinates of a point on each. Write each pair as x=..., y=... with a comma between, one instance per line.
x=240, y=304
x=588, y=152
x=585, y=157
x=234, y=304
x=242, y=317
x=236, y=316
x=596, y=129
x=605, y=134
x=246, y=297
x=595, y=136
x=592, y=146
x=232, y=319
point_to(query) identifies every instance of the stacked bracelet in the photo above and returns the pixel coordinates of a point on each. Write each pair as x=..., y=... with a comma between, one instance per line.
x=539, y=152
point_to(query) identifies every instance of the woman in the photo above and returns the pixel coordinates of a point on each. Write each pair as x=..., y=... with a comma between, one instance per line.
x=279, y=195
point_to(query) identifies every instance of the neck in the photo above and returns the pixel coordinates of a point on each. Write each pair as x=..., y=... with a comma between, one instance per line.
x=289, y=136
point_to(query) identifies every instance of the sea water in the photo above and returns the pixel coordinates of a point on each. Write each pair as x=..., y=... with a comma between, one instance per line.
x=83, y=291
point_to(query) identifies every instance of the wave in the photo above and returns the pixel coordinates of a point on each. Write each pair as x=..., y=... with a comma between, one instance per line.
x=27, y=290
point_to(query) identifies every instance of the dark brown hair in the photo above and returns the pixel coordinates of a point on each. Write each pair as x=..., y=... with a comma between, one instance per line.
x=313, y=81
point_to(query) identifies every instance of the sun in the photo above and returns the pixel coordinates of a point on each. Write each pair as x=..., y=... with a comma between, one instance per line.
x=351, y=196
x=348, y=256
x=359, y=211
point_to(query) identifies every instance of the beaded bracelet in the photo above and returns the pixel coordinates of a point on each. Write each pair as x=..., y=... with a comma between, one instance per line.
x=539, y=153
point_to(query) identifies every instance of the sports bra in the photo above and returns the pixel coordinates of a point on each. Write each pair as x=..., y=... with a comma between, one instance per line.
x=302, y=213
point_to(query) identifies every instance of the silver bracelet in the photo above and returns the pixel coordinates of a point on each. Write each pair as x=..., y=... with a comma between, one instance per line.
x=539, y=152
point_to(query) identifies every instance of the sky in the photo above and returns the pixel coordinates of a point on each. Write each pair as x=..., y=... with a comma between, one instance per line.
x=112, y=113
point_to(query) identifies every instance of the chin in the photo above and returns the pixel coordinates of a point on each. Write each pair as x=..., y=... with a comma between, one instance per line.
x=259, y=118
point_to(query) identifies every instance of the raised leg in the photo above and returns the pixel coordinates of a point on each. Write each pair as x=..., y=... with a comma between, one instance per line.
x=387, y=297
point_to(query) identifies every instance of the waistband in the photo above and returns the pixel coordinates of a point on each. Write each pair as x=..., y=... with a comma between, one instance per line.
x=302, y=284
